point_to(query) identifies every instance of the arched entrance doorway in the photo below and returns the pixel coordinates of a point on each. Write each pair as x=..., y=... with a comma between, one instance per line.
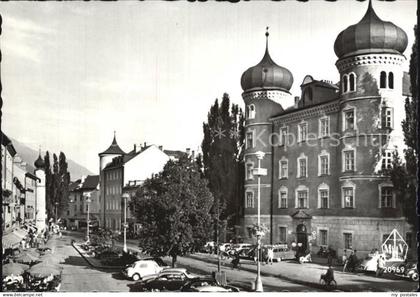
x=302, y=238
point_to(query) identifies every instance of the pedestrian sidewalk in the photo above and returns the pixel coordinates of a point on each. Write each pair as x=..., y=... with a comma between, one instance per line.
x=94, y=262
x=308, y=274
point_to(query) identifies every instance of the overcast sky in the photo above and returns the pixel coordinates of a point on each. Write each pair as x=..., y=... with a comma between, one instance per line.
x=73, y=72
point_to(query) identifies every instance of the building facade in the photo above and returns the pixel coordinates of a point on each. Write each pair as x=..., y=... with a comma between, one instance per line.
x=80, y=193
x=8, y=153
x=124, y=173
x=326, y=150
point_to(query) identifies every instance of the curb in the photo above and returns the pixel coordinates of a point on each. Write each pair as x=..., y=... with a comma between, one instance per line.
x=300, y=282
x=93, y=265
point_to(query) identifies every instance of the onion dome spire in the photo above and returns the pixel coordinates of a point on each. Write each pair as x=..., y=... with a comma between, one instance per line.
x=370, y=35
x=39, y=163
x=266, y=75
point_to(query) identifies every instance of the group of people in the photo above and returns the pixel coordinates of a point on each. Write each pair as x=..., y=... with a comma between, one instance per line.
x=350, y=263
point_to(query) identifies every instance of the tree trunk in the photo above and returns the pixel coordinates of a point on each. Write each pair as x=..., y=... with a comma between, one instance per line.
x=173, y=261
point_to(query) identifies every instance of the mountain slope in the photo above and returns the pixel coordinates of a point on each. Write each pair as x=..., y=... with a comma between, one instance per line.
x=29, y=155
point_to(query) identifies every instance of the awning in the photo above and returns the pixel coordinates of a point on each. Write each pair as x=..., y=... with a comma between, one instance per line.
x=10, y=241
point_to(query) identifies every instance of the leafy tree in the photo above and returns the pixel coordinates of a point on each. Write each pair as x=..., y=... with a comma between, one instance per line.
x=56, y=184
x=48, y=184
x=64, y=179
x=173, y=210
x=222, y=159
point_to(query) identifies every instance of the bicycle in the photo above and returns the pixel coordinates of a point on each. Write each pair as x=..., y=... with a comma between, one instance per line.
x=329, y=285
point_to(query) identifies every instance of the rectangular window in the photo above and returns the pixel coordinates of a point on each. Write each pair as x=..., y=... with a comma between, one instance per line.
x=348, y=241
x=302, y=167
x=249, y=140
x=282, y=234
x=303, y=131
x=302, y=199
x=324, y=198
x=283, y=199
x=386, y=159
x=283, y=169
x=349, y=161
x=348, y=197
x=249, y=169
x=323, y=237
x=283, y=136
x=386, y=197
x=324, y=127
x=387, y=117
x=249, y=200
x=324, y=165
x=349, y=120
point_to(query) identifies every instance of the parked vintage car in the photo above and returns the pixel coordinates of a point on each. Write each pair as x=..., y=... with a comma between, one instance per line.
x=206, y=284
x=171, y=279
x=237, y=247
x=141, y=268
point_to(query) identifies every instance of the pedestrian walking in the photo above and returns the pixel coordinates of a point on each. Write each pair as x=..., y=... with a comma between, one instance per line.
x=270, y=255
x=380, y=266
x=330, y=257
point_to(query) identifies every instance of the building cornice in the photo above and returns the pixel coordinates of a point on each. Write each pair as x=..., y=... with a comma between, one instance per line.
x=369, y=59
x=364, y=177
x=359, y=218
x=256, y=185
x=315, y=111
x=345, y=100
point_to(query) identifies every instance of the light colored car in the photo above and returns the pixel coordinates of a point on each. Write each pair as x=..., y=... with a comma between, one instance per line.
x=240, y=246
x=225, y=247
x=142, y=268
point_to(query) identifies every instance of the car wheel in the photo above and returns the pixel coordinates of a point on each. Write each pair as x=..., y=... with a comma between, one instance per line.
x=415, y=277
x=136, y=277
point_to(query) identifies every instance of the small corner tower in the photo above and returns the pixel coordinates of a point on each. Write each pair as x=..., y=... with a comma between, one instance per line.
x=266, y=88
x=105, y=157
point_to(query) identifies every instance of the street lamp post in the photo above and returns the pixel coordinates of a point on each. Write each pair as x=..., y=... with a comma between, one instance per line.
x=259, y=172
x=125, y=196
x=88, y=201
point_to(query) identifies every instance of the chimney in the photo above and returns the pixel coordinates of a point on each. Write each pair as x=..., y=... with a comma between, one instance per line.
x=193, y=154
x=161, y=147
x=188, y=151
x=135, y=148
x=296, y=101
x=145, y=144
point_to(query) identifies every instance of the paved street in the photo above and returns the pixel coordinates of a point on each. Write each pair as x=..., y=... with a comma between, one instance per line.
x=79, y=276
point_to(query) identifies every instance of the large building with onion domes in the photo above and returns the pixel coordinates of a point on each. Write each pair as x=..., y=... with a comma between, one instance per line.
x=325, y=150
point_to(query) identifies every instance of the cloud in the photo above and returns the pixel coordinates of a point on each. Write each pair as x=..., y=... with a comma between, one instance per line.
x=26, y=25
x=24, y=38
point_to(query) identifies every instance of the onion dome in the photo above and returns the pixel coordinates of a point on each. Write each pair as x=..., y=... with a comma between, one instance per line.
x=39, y=163
x=114, y=149
x=370, y=35
x=266, y=75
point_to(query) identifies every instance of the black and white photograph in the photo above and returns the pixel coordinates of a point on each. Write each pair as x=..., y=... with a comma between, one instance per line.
x=209, y=146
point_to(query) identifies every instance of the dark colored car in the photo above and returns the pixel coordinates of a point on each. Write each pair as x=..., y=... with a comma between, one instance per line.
x=206, y=284
x=167, y=280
